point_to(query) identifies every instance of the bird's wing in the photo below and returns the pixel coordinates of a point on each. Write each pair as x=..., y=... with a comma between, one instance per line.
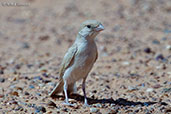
x=96, y=56
x=68, y=59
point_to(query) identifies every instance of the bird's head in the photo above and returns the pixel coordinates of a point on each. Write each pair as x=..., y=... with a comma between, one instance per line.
x=90, y=29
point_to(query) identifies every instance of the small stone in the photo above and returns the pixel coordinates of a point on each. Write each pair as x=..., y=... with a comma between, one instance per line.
x=112, y=111
x=165, y=90
x=19, y=108
x=167, y=31
x=51, y=103
x=38, y=94
x=44, y=38
x=131, y=88
x=168, y=47
x=147, y=50
x=58, y=42
x=94, y=110
x=46, y=81
x=136, y=110
x=126, y=63
x=160, y=57
x=1, y=71
x=114, y=60
x=2, y=80
x=31, y=87
x=104, y=54
x=143, y=85
x=45, y=75
x=40, y=109
x=12, y=102
x=1, y=96
x=98, y=105
x=155, y=42
x=29, y=65
x=157, y=86
x=72, y=100
x=149, y=89
x=164, y=38
x=94, y=91
x=37, y=78
x=65, y=109
x=168, y=110
x=26, y=93
x=17, y=66
x=15, y=93
x=25, y=45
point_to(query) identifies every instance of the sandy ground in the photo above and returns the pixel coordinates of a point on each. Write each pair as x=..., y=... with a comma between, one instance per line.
x=132, y=74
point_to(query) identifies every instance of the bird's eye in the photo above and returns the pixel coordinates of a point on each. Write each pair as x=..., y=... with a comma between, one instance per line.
x=88, y=26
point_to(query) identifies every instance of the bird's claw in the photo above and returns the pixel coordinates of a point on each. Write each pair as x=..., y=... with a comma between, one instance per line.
x=86, y=105
x=68, y=104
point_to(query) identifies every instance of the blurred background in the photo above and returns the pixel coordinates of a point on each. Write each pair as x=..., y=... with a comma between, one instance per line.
x=134, y=51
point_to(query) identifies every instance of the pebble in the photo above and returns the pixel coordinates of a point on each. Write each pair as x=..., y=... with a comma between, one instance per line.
x=26, y=93
x=167, y=31
x=143, y=85
x=2, y=80
x=46, y=81
x=168, y=110
x=155, y=42
x=149, y=89
x=15, y=93
x=51, y=103
x=72, y=100
x=18, y=66
x=12, y=102
x=19, y=108
x=30, y=65
x=98, y=105
x=40, y=109
x=37, y=78
x=131, y=88
x=104, y=54
x=1, y=71
x=126, y=63
x=38, y=94
x=147, y=50
x=31, y=86
x=1, y=96
x=168, y=47
x=65, y=109
x=45, y=75
x=94, y=110
x=160, y=57
x=25, y=45
x=44, y=38
x=157, y=86
x=165, y=90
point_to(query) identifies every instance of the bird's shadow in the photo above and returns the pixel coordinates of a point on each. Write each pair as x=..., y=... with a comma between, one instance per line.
x=120, y=101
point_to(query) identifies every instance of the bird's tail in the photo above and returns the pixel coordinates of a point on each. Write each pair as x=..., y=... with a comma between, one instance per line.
x=58, y=88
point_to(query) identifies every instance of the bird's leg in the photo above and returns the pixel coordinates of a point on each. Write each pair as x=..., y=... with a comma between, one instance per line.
x=66, y=95
x=84, y=91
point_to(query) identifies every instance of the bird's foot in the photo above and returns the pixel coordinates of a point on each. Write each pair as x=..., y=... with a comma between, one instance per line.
x=87, y=105
x=68, y=104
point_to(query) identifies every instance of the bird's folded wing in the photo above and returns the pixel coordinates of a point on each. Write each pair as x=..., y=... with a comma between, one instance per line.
x=68, y=59
x=96, y=56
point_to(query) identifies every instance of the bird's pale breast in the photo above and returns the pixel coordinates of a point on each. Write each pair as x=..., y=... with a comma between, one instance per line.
x=83, y=62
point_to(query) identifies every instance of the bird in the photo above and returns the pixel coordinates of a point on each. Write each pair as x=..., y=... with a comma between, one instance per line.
x=78, y=60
